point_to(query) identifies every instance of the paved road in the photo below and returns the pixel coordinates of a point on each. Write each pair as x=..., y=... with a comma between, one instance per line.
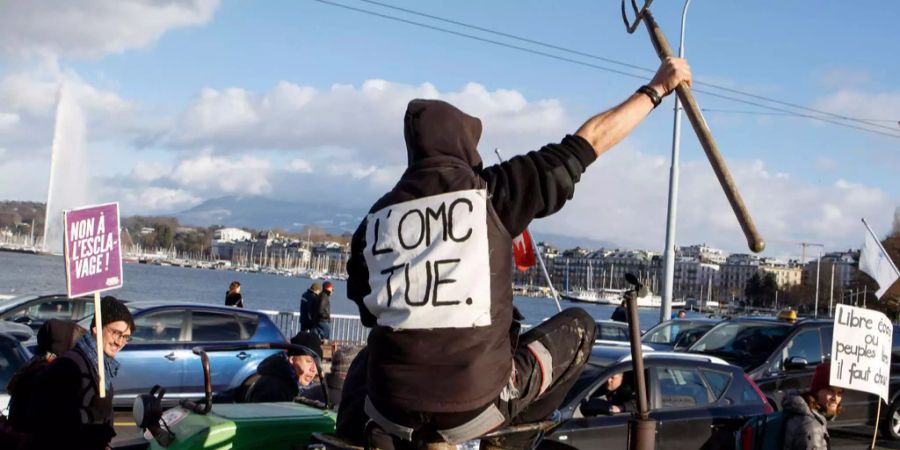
x=858, y=439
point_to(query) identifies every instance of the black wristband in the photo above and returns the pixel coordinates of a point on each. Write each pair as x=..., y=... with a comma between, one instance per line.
x=650, y=92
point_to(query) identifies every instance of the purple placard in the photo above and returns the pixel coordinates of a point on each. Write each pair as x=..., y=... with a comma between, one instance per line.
x=92, y=249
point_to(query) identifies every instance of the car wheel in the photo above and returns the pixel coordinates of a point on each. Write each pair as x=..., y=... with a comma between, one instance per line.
x=890, y=425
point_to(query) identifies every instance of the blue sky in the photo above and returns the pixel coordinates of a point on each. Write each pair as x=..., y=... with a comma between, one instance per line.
x=186, y=101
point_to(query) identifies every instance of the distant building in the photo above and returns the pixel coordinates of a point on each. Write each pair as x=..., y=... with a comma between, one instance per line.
x=702, y=253
x=736, y=272
x=787, y=274
x=231, y=235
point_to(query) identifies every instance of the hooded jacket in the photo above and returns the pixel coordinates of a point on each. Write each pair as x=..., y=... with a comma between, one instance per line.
x=67, y=398
x=277, y=382
x=431, y=265
x=804, y=429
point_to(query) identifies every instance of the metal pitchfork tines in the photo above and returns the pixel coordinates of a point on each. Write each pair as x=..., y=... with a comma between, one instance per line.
x=663, y=50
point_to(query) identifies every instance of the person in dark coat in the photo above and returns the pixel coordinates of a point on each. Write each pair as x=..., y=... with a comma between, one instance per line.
x=620, y=314
x=309, y=302
x=617, y=396
x=322, y=318
x=430, y=270
x=67, y=398
x=54, y=338
x=233, y=295
x=287, y=375
x=807, y=415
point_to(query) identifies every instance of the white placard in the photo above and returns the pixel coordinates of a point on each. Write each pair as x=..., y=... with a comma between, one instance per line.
x=861, y=350
x=428, y=262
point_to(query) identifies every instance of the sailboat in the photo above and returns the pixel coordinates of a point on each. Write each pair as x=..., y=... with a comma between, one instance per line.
x=604, y=296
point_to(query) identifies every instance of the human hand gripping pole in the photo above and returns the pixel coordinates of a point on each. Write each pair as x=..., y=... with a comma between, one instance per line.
x=664, y=51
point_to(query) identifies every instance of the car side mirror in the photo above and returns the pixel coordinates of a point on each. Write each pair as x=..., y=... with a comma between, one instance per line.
x=595, y=407
x=796, y=363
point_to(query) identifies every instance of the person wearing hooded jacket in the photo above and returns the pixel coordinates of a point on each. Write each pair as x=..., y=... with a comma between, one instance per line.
x=430, y=271
x=286, y=375
x=67, y=396
x=807, y=415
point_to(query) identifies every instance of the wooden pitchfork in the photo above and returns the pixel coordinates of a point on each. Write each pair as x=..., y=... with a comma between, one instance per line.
x=663, y=50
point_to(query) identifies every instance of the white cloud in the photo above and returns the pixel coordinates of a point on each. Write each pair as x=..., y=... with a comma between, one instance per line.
x=92, y=28
x=29, y=98
x=364, y=124
x=843, y=77
x=152, y=199
x=8, y=121
x=148, y=171
x=247, y=175
x=623, y=198
x=883, y=106
x=825, y=164
x=299, y=166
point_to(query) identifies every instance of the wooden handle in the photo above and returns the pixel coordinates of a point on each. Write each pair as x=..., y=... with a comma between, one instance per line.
x=663, y=50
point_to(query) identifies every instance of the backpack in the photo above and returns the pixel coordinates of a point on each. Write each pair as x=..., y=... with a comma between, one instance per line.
x=55, y=337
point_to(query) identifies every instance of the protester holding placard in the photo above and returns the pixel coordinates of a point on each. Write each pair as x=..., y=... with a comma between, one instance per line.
x=807, y=414
x=67, y=395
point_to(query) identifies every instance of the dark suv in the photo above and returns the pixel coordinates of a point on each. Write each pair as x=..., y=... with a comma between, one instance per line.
x=781, y=356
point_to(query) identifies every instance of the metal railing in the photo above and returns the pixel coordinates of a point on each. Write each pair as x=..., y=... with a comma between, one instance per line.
x=345, y=328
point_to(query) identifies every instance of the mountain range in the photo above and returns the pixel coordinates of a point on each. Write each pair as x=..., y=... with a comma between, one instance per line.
x=263, y=213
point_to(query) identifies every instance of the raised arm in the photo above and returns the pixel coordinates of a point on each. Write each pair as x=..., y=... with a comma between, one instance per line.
x=608, y=128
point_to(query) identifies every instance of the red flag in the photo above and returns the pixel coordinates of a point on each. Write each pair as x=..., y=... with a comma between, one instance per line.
x=523, y=251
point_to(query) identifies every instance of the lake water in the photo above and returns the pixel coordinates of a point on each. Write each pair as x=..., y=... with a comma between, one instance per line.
x=22, y=274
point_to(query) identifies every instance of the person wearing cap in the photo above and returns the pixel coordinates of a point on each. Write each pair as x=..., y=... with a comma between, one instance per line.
x=309, y=301
x=287, y=375
x=67, y=396
x=807, y=414
x=322, y=317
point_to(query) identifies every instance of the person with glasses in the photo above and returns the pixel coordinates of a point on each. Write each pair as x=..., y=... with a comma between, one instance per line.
x=807, y=415
x=68, y=396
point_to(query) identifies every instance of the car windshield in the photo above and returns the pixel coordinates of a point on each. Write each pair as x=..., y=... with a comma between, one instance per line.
x=670, y=332
x=747, y=344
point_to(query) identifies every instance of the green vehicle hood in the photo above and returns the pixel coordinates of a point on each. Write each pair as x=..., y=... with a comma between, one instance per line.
x=283, y=425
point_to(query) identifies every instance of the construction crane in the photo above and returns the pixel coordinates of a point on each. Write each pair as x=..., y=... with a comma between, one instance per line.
x=802, y=244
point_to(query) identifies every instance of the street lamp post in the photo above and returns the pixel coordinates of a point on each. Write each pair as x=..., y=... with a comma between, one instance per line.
x=666, y=310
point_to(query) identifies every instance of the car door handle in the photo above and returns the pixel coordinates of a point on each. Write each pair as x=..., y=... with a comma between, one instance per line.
x=171, y=356
x=243, y=355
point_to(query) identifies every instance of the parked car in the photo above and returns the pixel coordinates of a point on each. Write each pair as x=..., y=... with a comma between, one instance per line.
x=611, y=330
x=13, y=354
x=697, y=401
x=677, y=334
x=780, y=355
x=160, y=349
x=34, y=310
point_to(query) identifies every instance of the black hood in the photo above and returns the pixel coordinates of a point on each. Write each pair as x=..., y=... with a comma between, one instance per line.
x=436, y=128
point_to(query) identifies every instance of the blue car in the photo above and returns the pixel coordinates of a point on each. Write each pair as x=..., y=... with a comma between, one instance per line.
x=34, y=310
x=160, y=350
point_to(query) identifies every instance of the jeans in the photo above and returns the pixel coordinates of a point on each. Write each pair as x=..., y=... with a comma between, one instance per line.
x=323, y=330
